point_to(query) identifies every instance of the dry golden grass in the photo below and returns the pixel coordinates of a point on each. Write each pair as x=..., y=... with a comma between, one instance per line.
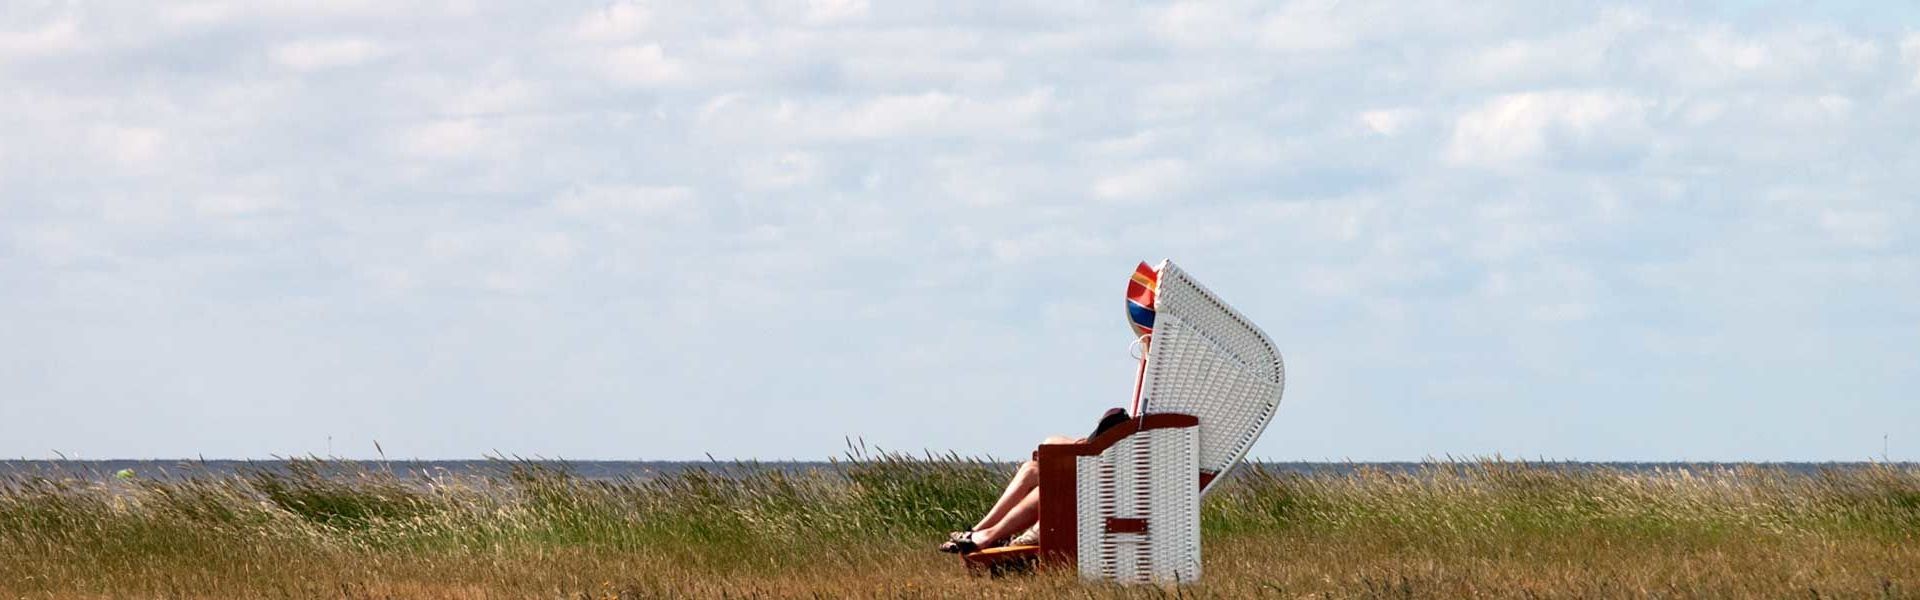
x=864, y=529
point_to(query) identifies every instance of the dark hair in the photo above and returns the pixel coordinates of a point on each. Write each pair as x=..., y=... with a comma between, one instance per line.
x=1114, y=417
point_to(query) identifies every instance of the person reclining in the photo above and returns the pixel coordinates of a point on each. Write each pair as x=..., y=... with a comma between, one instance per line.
x=1011, y=520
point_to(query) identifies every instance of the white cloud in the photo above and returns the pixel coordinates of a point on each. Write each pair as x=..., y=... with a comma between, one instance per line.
x=935, y=114
x=200, y=13
x=390, y=279
x=919, y=70
x=1560, y=57
x=1307, y=26
x=938, y=115
x=900, y=115
x=58, y=36
x=1149, y=179
x=321, y=54
x=1321, y=222
x=234, y=205
x=1200, y=24
x=834, y=11
x=1181, y=97
x=1130, y=145
x=1719, y=56
x=615, y=22
x=1417, y=191
x=1053, y=242
x=491, y=97
x=1388, y=122
x=551, y=246
x=453, y=139
x=450, y=245
x=1866, y=228
x=1565, y=311
x=194, y=14
x=1720, y=50
x=54, y=244
x=640, y=65
x=1512, y=231
x=613, y=201
x=783, y=171
x=1835, y=104
x=1910, y=53
x=133, y=147
x=1523, y=128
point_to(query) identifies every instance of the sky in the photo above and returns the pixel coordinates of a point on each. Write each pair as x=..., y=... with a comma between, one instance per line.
x=640, y=231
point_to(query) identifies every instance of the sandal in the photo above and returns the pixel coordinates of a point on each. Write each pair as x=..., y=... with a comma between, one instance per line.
x=955, y=536
x=966, y=545
x=962, y=545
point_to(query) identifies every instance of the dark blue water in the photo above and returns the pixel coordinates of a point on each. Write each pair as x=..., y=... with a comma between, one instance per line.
x=611, y=470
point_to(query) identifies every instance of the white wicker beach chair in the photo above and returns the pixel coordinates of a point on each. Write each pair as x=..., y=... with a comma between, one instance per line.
x=1125, y=506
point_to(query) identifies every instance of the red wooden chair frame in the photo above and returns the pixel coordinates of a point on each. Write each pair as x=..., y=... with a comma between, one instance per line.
x=1059, y=494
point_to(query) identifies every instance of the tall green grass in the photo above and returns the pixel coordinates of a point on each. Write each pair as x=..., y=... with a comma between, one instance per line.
x=722, y=512
x=1494, y=500
x=200, y=533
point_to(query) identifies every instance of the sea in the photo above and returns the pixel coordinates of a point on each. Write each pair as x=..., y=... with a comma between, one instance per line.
x=643, y=470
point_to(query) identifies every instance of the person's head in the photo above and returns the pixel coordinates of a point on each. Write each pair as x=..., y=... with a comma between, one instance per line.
x=1112, y=418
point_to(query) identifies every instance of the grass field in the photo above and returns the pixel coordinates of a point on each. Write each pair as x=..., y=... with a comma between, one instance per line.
x=866, y=529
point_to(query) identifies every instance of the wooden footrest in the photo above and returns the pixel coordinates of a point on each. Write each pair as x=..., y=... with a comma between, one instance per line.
x=1004, y=560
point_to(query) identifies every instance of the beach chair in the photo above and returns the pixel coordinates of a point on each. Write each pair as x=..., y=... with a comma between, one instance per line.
x=1125, y=505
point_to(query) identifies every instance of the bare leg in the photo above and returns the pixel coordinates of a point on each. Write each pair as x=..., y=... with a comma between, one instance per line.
x=1024, y=480
x=1024, y=514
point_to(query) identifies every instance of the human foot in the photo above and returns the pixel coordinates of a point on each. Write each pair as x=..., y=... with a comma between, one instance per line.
x=969, y=543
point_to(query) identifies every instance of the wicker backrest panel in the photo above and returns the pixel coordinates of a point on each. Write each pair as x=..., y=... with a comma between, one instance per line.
x=1209, y=361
